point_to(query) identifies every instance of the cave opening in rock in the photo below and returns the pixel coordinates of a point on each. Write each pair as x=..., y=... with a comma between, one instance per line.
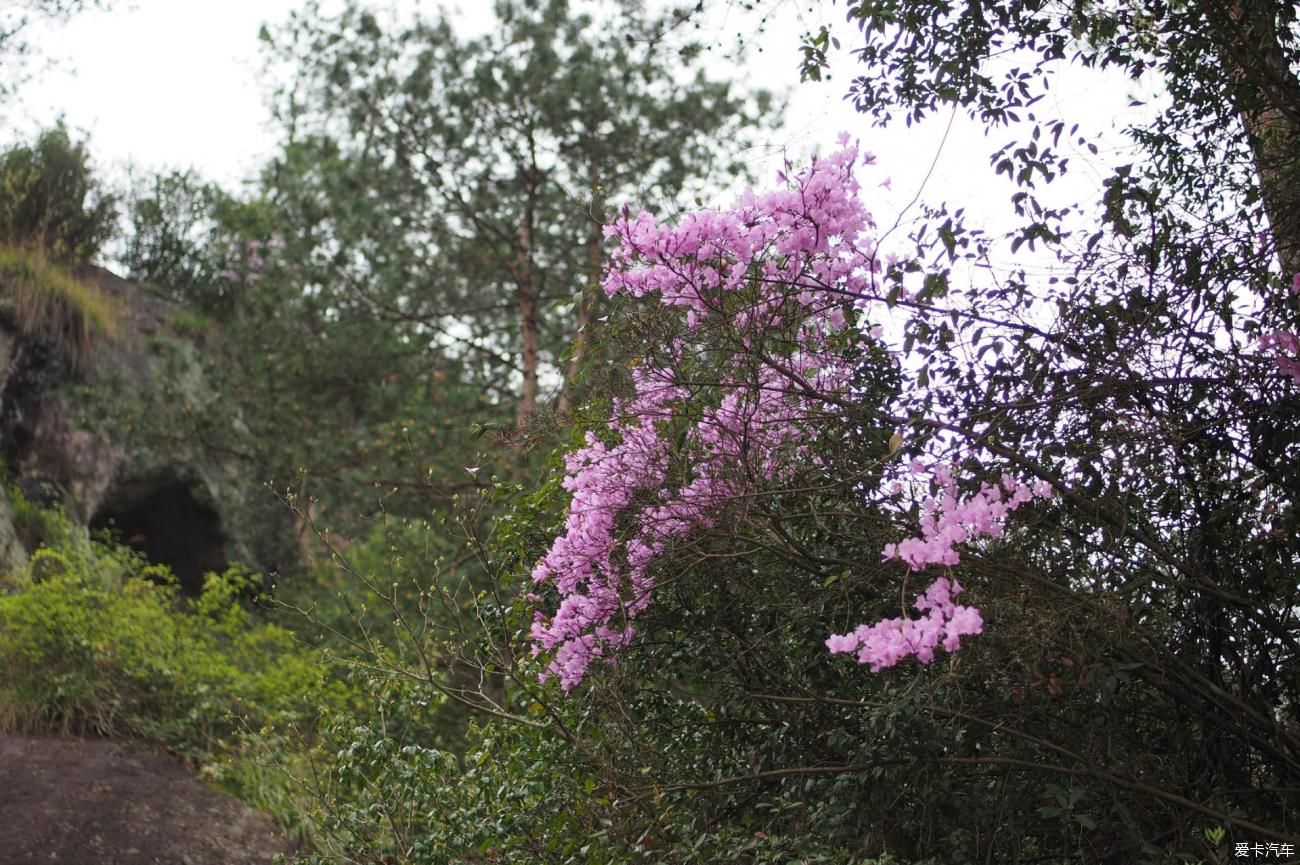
x=165, y=520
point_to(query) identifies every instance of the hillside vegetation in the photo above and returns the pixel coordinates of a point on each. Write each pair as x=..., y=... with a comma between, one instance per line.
x=597, y=526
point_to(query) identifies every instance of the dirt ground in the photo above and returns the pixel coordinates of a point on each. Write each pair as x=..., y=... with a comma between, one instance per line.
x=94, y=802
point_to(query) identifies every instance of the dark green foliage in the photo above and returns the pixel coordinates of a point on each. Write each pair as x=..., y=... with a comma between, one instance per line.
x=1132, y=380
x=455, y=187
x=51, y=202
x=182, y=233
x=516, y=796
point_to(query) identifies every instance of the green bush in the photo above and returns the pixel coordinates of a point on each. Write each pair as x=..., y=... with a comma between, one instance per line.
x=518, y=795
x=36, y=525
x=95, y=639
x=50, y=200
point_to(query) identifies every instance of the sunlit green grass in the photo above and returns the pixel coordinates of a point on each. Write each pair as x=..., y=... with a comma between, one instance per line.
x=43, y=300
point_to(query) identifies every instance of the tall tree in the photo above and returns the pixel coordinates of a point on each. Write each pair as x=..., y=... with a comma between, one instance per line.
x=456, y=187
x=51, y=201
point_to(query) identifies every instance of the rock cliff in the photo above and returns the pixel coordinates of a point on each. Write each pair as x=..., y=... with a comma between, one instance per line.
x=64, y=441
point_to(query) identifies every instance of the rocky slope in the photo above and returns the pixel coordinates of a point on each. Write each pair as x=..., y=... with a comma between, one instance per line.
x=63, y=440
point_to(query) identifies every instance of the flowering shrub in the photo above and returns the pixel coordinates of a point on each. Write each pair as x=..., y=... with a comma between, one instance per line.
x=767, y=298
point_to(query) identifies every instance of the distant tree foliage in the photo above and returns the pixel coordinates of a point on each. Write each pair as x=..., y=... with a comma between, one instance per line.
x=456, y=187
x=51, y=201
x=17, y=17
x=170, y=243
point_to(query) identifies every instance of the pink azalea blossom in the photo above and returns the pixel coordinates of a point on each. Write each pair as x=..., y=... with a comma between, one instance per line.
x=1285, y=348
x=804, y=256
x=890, y=641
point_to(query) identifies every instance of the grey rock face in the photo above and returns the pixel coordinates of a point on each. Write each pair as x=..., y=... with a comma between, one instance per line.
x=176, y=502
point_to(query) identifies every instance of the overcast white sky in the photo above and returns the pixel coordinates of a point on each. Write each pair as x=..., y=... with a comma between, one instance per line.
x=178, y=83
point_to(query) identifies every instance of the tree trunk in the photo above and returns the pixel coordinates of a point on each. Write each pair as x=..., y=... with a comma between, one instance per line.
x=1266, y=95
x=527, y=285
x=586, y=320
x=526, y=302
x=1274, y=142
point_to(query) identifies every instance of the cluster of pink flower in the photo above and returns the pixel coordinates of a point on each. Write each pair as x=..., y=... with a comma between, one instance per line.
x=889, y=641
x=946, y=521
x=581, y=562
x=600, y=568
x=1286, y=352
x=811, y=236
x=801, y=254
